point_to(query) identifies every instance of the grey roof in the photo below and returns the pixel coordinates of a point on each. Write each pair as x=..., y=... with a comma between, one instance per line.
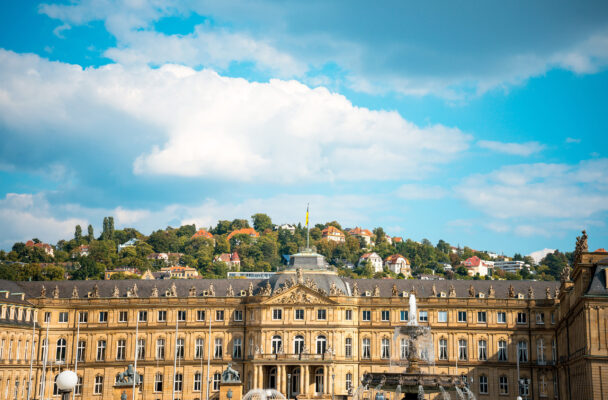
x=323, y=281
x=597, y=287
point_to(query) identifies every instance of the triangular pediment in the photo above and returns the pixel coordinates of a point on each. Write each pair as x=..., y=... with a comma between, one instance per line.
x=299, y=294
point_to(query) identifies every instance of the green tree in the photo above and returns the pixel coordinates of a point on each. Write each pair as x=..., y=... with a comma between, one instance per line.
x=91, y=234
x=261, y=222
x=221, y=228
x=238, y=224
x=186, y=230
x=78, y=233
x=89, y=269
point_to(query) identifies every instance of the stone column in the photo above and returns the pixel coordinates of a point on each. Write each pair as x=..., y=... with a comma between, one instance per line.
x=326, y=379
x=302, y=377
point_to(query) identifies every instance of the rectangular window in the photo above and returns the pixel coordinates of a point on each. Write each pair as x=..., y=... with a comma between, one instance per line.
x=348, y=347
x=160, y=349
x=238, y=315
x=162, y=316
x=404, y=315
x=321, y=314
x=462, y=316
x=219, y=315
x=101, y=350
x=178, y=382
x=237, y=348
x=142, y=316
x=158, y=382
x=120, y=349
x=522, y=351
x=482, y=346
x=198, y=382
x=501, y=317
x=349, y=381
x=443, y=349
x=216, y=381
x=521, y=318
x=404, y=348
x=348, y=316
x=200, y=315
x=540, y=318
x=83, y=317
x=385, y=349
x=141, y=349
x=47, y=317
x=219, y=350
x=503, y=385
x=80, y=350
x=122, y=316
x=385, y=315
x=462, y=349
x=481, y=317
x=181, y=315
x=63, y=317
x=103, y=316
x=366, y=315
x=277, y=314
x=553, y=318
x=442, y=316
x=423, y=316
x=98, y=387
x=299, y=314
x=180, y=349
x=483, y=384
x=366, y=348
x=77, y=389
x=199, y=347
x=502, y=350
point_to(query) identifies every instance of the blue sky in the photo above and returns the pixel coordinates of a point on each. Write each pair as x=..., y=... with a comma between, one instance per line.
x=482, y=124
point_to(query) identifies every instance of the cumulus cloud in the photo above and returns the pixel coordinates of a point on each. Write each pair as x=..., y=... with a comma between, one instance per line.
x=25, y=216
x=517, y=149
x=540, y=198
x=200, y=124
x=415, y=50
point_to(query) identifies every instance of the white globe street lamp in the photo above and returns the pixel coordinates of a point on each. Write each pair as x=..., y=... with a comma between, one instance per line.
x=66, y=382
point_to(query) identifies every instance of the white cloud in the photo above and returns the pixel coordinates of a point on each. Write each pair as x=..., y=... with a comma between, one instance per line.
x=219, y=128
x=518, y=149
x=540, y=192
x=404, y=56
x=573, y=140
x=415, y=191
x=25, y=216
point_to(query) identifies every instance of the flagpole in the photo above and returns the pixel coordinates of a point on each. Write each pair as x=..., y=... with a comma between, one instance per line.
x=29, y=386
x=307, y=229
x=46, y=356
x=175, y=355
x=135, y=366
x=208, y=355
x=76, y=358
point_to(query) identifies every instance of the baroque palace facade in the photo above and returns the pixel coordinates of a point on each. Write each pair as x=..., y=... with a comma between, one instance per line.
x=306, y=332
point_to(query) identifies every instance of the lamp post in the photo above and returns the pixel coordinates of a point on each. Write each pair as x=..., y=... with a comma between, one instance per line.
x=333, y=377
x=66, y=382
x=288, y=386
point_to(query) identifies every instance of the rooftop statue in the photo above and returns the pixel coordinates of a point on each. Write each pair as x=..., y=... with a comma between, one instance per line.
x=56, y=292
x=115, y=292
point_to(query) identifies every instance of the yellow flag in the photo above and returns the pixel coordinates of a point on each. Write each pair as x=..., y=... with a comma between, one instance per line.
x=307, y=215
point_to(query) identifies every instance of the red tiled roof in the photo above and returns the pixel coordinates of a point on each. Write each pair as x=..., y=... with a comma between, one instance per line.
x=397, y=239
x=203, y=233
x=244, y=231
x=332, y=230
x=359, y=231
x=393, y=258
x=601, y=250
x=472, y=261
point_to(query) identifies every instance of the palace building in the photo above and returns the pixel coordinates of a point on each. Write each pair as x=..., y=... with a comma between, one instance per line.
x=306, y=332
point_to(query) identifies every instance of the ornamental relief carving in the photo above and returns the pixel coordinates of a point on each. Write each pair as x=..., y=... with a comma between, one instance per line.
x=298, y=297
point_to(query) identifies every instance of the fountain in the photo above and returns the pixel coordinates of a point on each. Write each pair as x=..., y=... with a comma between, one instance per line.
x=413, y=384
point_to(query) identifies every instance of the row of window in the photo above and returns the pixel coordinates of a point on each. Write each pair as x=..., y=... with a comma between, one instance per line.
x=298, y=348
x=20, y=353
x=142, y=316
x=277, y=314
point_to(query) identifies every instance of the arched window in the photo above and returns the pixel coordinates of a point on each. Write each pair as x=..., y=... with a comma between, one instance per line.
x=60, y=354
x=443, y=349
x=319, y=384
x=55, y=388
x=321, y=344
x=385, y=348
x=295, y=381
x=216, y=381
x=366, y=348
x=462, y=349
x=198, y=348
x=276, y=344
x=502, y=350
x=298, y=344
x=272, y=378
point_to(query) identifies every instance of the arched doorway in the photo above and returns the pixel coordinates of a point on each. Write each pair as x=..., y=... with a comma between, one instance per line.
x=295, y=382
x=319, y=381
x=272, y=378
